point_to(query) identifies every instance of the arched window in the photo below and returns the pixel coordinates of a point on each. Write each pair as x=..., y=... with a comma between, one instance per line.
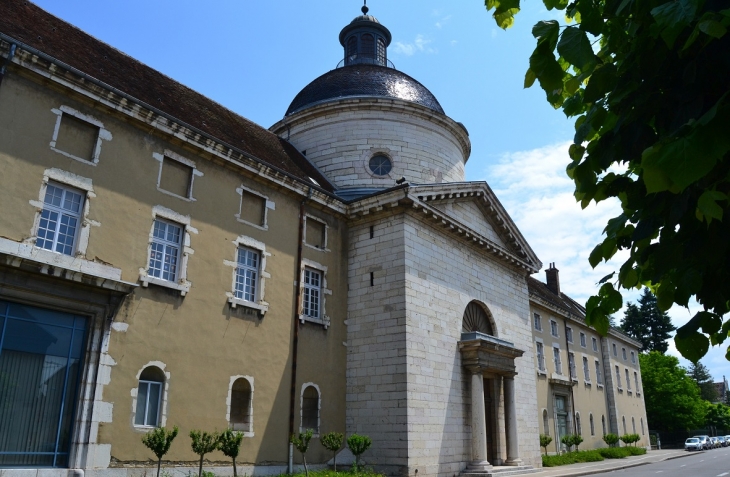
x=603, y=424
x=642, y=426
x=367, y=46
x=241, y=405
x=590, y=420
x=633, y=425
x=623, y=420
x=577, y=424
x=310, y=408
x=149, y=397
x=476, y=318
x=351, y=52
x=381, y=52
x=545, y=422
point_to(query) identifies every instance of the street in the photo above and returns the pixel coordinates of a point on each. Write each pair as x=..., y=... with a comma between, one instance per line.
x=713, y=463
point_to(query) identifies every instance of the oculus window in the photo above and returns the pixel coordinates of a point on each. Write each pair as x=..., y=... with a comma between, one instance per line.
x=380, y=165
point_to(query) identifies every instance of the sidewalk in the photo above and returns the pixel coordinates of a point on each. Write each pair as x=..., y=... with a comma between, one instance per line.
x=587, y=468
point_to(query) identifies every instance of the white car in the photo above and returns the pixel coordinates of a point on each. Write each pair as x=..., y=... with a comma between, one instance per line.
x=692, y=443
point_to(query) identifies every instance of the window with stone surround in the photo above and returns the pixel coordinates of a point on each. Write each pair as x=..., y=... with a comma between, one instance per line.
x=314, y=289
x=586, y=370
x=311, y=403
x=537, y=322
x=253, y=208
x=618, y=379
x=571, y=366
x=78, y=136
x=554, y=328
x=595, y=344
x=578, y=426
x=582, y=339
x=569, y=334
x=60, y=219
x=628, y=381
x=615, y=352
x=241, y=405
x=636, y=382
x=633, y=357
x=623, y=353
x=315, y=233
x=176, y=175
x=556, y=360
x=540, y=356
x=149, y=397
x=599, y=375
x=249, y=274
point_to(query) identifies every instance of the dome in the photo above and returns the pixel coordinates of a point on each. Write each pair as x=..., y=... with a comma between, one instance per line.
x=364, y=80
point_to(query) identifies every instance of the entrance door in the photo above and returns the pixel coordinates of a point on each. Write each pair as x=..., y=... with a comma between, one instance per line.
x=561, y=419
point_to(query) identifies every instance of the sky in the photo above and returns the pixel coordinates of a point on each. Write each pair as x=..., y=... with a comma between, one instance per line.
x=255, y=56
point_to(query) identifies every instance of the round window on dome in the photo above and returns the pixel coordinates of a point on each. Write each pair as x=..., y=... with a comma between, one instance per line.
x=380, y=165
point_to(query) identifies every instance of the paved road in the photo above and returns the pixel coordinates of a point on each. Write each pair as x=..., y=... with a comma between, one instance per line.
x=713, y=463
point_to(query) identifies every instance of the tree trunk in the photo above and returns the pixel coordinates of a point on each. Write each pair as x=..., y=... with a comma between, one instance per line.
x=200, y=467
x=306, y=471
x=159, y=462
x=235, y=474
x=334, y=456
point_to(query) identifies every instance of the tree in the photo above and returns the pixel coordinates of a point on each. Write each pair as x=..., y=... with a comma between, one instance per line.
x=545, y=441
x=671, y=397
x=717, y=416
x=357, y=445
x=203, y=443
x=701, y=375
x=332, y=441
x=159, y=441
x=611, y=439
x=301, y=442
x=647, y=324
x=647, y=81
x=229, y=443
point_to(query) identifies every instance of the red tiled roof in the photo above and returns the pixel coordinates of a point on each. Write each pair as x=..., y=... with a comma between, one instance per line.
x=37, y=28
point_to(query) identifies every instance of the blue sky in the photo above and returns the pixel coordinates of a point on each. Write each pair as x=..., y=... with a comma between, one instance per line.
x=255, y=56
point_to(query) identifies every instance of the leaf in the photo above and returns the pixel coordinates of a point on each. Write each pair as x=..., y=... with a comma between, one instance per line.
x=530, y=78
x=576, y=49
x=574, y=105
x=596, y=255
x=547, y=32
x=595, y=316
x=707, y=205
x=611, y=299
x=672, y=17
x=606, y=278
x=713, y=28
x=601, y=82
x=691, y=344
x=576, y=151
x=547, y=70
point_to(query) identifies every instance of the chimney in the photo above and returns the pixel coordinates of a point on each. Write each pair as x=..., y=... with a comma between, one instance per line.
x=553, y=280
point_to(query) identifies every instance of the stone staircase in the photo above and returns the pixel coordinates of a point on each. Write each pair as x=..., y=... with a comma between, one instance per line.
x=502, y=471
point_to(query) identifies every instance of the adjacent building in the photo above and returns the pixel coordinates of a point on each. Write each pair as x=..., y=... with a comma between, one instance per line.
x=164, y=261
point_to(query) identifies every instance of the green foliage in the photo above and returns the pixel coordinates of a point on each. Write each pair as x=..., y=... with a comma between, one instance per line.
x=545, y=441
x=331, y=473
x=332, y=441
x=621, y=452
x=629, y=439
x=610, y=439
x=701, y=375
x=203, y=443
x=648, y=85
x=357, y=445
x=718, y=416
x=671, y=397
x=647, y=324
x=301, y=443
x=159, y=441
x=571, y=458
x=577, y=440
x=229, y=443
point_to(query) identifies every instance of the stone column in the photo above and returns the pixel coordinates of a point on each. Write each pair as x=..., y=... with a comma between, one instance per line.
x=510, y=422
x=478, y=425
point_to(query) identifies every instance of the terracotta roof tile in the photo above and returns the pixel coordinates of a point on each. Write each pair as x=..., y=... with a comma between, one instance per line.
x=29, y=24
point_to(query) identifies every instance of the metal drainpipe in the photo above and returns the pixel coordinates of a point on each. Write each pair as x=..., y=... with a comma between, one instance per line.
x=7, y=61
x=295, y=341
x=570, y=377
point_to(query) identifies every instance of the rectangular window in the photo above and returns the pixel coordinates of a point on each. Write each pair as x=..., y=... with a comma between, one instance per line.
x=556, y=359
x=628, y=380
x=540, y=356
x=60, y=219
x=165, y=250
x=571, y=366
x=586, y=369
x=315, y=233
x=537, y=322
x=623, y=353
x=148, y=403
x=636, y=382
x=633, y=357
x=583, y=339
x=77, y=137
x=595, y=344
x=247, y=272
x=312, y=291
x=176, y=177
x=615, y=353
x=618, y=377
x=554, y=328
x=253, y=208
x=599, y=375
x=569, y=334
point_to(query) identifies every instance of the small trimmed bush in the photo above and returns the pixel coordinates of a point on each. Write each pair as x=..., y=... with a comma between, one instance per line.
x=629, y=439
x=159, y=441
x=357, y=445
x=332, y=441
x=571, y=458
x=610, y=439
x=301, y=442
x=621, y=452
x=545, y=441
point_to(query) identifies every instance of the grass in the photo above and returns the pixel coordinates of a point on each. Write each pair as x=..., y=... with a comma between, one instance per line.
x=595, y=455
x=332, y=473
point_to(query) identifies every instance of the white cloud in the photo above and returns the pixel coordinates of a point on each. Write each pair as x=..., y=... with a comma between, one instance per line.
x=537, y=193
x=419, y=44
x=439, y=24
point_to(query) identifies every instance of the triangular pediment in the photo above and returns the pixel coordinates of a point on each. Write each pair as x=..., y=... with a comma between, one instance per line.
x=467, y=211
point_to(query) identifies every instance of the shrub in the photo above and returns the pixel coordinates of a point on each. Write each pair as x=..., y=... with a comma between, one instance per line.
x=545, y=441
x=621, y=452
x=610, y=439
x=577, y=440
x=332, y=441
x=571, y=458
x=302, y=445
x=630, y=439
x=230, y=445
x=357, y=445
x=636, y=450
x=159, y=441
x=202, y=443
x=567, y=440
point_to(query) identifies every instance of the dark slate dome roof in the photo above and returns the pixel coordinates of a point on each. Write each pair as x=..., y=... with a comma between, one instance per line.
x=364, y=80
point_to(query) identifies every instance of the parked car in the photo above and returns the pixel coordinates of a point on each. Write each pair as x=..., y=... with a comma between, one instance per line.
x=714, y=443
x=722, y=441
x=692, y=443
x=705, y=441
x=727, y=440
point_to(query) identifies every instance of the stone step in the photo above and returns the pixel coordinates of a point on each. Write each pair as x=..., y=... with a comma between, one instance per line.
x=503, y=471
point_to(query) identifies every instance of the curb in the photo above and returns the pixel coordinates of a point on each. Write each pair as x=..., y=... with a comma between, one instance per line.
x=624, y=466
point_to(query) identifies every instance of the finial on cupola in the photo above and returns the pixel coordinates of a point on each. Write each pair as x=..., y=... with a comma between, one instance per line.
x=365, y=8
